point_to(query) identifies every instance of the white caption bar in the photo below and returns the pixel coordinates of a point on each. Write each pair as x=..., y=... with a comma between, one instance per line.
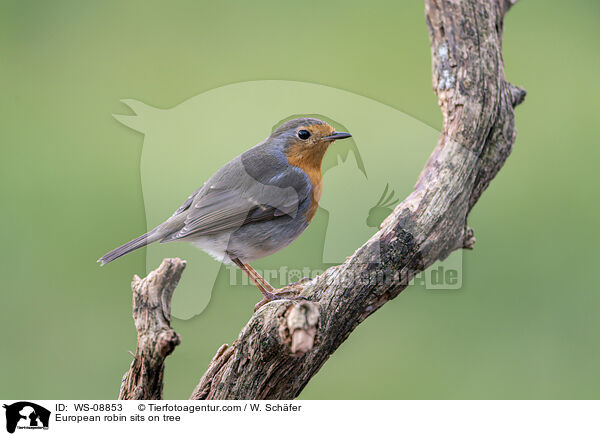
x=302, y=417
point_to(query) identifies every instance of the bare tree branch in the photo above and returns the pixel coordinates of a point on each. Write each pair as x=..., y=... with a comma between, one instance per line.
x=287, y=341
x=156, y=340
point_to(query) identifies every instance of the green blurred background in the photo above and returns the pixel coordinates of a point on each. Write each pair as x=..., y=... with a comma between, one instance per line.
x=524, y=324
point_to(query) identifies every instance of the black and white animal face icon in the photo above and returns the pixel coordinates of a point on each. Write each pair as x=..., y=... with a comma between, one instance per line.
x=25, y=414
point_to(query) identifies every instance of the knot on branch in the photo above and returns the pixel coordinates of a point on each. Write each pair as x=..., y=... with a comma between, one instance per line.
x=166, y=342
x=299, y=327
x=468, y=238
x=507, y=4
x=517, y=94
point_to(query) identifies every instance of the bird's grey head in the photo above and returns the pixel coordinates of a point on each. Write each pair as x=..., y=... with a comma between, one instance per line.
x=305, y=133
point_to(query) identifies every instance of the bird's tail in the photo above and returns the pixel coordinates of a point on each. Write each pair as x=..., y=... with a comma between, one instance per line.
x=139, y=242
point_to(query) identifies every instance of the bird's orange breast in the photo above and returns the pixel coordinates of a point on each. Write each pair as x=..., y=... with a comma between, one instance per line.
x=309, y=161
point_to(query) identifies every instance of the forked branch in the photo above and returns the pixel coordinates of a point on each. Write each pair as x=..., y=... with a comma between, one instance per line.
x=286, y=342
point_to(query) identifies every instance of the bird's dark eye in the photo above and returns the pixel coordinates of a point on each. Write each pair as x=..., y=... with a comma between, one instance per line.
x=303, y=134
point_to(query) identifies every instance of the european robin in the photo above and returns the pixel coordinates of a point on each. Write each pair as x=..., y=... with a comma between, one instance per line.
x=254, y=205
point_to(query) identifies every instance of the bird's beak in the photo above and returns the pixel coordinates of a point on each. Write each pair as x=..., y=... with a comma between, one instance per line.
x=337, y=135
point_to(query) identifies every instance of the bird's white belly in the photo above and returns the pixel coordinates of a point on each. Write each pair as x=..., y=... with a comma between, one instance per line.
x=215, y=245
x=220, y=244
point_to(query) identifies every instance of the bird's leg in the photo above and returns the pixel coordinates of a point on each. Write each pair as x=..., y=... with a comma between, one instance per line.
x=263, y=286
x=266, y=285
x=268, y=293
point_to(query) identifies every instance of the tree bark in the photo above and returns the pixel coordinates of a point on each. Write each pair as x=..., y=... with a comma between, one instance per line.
x=287, y=341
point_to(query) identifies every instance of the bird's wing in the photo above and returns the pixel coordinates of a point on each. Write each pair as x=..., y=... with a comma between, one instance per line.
x=187, y=203
x=227, y=208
